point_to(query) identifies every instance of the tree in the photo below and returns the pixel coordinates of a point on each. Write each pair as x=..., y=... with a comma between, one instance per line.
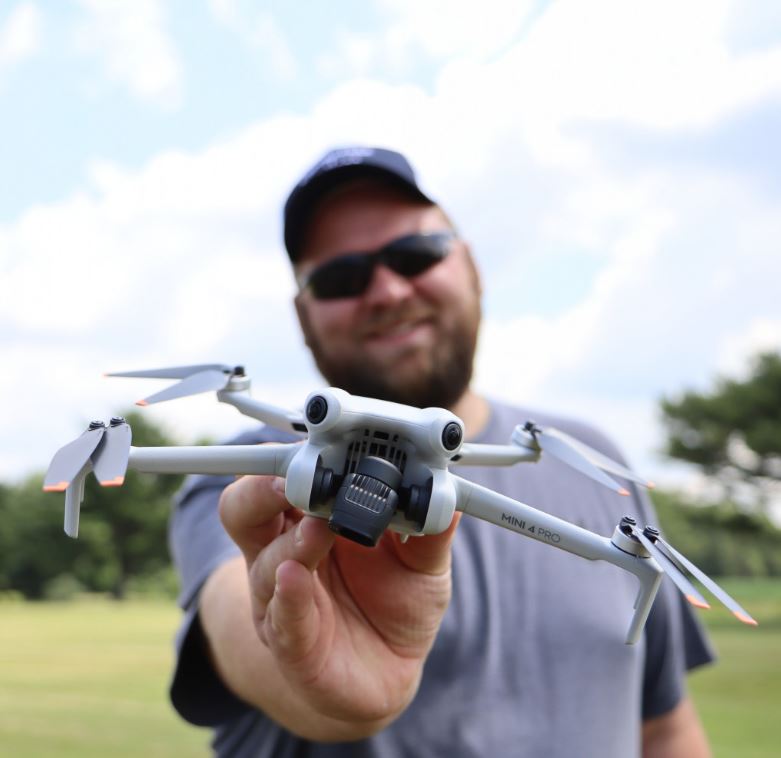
x=135, y=514
x=733, y=432
x=122, y=531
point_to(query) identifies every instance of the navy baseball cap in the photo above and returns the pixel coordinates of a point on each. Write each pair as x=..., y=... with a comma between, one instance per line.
x=338, y=166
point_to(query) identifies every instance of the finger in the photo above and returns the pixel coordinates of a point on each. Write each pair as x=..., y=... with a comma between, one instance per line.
x=307, y=544
x=429, y=554
x=252, y=510
x=292, y=627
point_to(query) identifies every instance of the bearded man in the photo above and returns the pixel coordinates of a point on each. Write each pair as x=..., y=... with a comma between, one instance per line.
x=297, y=642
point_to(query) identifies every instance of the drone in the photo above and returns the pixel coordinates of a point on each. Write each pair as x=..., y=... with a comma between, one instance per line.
x=369, y=465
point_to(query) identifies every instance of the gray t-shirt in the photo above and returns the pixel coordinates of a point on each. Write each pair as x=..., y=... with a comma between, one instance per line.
x=530, y=659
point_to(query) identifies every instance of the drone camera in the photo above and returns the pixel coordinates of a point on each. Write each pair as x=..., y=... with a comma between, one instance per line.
x=452, y=435
x=366, y=501
x=316, y=409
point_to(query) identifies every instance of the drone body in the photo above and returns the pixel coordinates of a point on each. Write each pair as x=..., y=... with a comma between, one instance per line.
x=368, y=465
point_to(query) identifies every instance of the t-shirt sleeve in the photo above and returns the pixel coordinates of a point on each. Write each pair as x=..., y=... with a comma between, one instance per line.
x=675, y=644
x=198, y=545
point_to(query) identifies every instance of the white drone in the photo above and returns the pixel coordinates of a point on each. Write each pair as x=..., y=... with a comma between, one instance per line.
x=370, y=465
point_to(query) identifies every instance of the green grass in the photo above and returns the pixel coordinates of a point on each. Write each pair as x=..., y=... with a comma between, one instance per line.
x=739, y=698
x=89, y=678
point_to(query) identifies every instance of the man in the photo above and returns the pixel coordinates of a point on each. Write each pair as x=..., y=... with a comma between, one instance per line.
x=473, y=642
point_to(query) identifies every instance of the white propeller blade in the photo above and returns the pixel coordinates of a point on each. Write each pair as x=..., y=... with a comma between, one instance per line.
x=195, y=384
x=738, y=611
x=562, y=450
x=109, y=462
x=597, y=458
x=678, y=577
x=175, y=372
x=69, y=460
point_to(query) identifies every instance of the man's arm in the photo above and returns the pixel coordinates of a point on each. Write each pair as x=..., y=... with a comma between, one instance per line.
x=676, y=734
x=326, y=637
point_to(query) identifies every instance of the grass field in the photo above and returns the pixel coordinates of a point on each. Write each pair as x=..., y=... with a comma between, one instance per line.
x=740, y=697
x=89, y=678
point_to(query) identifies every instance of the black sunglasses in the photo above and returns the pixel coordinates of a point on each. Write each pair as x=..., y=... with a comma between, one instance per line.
x=349, y=275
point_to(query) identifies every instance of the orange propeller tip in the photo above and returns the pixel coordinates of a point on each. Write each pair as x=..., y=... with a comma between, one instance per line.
x=697, y=603
x=59, y=487
x=117, y=481
x=142, y=403
x=650, y=485
x=745, y=619
x=622, y=491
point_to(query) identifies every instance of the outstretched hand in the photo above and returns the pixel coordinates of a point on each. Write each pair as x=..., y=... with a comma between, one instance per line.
x=349, y=627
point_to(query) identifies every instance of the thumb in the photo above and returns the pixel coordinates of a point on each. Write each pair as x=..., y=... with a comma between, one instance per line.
x=429, y=554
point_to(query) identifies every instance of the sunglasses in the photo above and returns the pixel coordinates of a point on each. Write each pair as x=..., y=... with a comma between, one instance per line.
x=349, y=275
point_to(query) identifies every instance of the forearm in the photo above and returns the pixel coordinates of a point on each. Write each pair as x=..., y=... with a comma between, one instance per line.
x=249, y=669
x=677, y=734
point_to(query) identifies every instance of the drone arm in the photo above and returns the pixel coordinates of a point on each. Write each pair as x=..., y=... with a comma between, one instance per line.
x=272, y=415
x=483, y=503
x=503, y=511
x=222, y=459
x=476, y=454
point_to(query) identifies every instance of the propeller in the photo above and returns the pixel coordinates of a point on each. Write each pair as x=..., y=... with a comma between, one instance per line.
x=69, y=460
x=675, y=564
x=597, y=458
x=195, y=379
x=110, y=461
x=671, y=569
x=104, y=449
x=579, y=456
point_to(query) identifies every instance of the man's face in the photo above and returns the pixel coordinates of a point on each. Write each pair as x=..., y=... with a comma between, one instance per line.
x=406, y=340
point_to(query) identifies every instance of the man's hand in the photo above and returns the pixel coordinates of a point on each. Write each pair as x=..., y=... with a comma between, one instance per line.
x=342, y=630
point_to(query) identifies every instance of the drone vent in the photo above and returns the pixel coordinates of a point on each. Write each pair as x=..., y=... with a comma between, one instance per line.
x=377, y=443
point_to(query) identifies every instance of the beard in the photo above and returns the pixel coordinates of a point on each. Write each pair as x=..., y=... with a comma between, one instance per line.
x=436, y=378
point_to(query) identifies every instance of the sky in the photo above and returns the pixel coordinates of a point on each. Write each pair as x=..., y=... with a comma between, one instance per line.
x=616, y=168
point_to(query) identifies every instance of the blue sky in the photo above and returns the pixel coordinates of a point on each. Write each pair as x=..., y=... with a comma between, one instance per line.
x=616, y=168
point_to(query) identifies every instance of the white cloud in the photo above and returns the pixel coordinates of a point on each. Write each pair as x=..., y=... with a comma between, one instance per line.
x=446, y=28
x=180, y=261
x=258, y=29
x=689, y=288
x=355, y=54
x=414, y=33
x=20, y=35
x=760, y=335
x=663, y=67
x=129, y=40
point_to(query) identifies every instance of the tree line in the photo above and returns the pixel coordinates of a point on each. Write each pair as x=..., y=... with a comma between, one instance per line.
x=731, y=432
x=122, y=541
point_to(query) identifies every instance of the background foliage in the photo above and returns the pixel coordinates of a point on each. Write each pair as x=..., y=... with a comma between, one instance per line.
x=122, y=535
x=733, y=432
